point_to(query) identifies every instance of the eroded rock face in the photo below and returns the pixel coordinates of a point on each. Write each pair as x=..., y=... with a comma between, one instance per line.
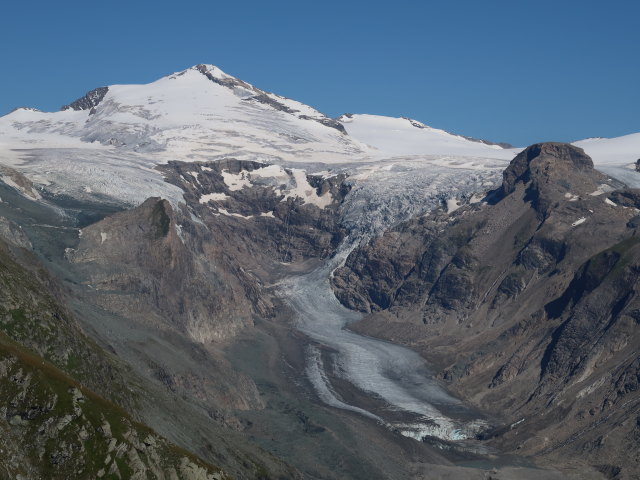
x=139, y=265
x=89, y=101
x=200, y=272
x=273, y=212
x=528, y=304
x=53, y=429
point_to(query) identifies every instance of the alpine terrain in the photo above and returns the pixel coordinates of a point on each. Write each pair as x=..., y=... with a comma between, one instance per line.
x=204, y=280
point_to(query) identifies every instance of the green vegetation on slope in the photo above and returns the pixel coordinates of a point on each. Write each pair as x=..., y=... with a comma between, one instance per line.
x=53, y=428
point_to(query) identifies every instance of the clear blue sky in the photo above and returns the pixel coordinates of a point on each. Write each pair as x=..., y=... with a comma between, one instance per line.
x=515, y=71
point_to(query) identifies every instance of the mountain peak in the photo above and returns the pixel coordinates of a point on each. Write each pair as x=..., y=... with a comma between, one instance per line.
x=553, y=170
x=211, y=69
x=216, y=75
x=89, y=101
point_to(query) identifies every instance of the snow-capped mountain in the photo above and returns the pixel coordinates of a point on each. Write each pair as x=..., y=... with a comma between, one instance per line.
x=404, y=136
x=115, y=136
x=203, y=112
x=100, y=142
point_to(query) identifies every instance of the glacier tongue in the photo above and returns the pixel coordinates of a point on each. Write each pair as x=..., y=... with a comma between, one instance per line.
x=394, y=374
x=383, y=195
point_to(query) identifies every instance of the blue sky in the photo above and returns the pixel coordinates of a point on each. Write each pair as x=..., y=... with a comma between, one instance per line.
x=520, y=72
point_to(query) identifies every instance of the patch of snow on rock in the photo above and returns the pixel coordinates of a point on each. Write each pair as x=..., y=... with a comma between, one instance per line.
x=217, y=197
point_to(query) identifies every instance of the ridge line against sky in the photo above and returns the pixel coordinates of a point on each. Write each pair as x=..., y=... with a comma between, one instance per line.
x=519, y=72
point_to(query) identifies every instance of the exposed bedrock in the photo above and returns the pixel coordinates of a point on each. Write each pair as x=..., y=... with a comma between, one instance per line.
x=527, y=302
x=200, y=273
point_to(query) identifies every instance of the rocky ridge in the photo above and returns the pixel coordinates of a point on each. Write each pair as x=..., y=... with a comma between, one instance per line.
x=43, y=335
x=53, y=428
x=527, y=303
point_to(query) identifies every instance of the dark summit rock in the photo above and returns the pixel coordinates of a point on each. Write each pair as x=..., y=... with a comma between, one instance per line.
x=89, y=101
x=229, y=82
x=327, y=122
x=627, y=197
x=267, y=100
x=551, y=174
x=544, y=159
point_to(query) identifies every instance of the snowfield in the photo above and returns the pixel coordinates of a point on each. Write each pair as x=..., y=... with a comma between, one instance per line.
x=403, y=136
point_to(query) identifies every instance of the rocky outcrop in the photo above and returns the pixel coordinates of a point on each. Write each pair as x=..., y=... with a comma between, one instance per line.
x=139, y=265
x=167, y=275
x=52, y=428
x=267, y=213
x=21, y=183
x=71, y=404
x=199, y=273
x=91, y=100
x=527, y=302
x=547, y=169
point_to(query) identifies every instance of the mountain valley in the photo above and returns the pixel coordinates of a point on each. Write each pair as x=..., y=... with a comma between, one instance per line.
x=205, y=280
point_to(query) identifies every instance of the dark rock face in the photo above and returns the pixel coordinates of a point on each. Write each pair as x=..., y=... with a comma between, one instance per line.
x=201, y=272
x=627, y=197
x=226, y=82
x=258, y=218
x=548, y=168
x=472, y=139
x=267, y=100
x=327, y=122
x=529, y=305
x=89, y=101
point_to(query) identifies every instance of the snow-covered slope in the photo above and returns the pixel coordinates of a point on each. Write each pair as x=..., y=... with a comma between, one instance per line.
x=615, y=156
x=108, y=142
x=616, y=151
x=404, y=136
x=200, y=112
